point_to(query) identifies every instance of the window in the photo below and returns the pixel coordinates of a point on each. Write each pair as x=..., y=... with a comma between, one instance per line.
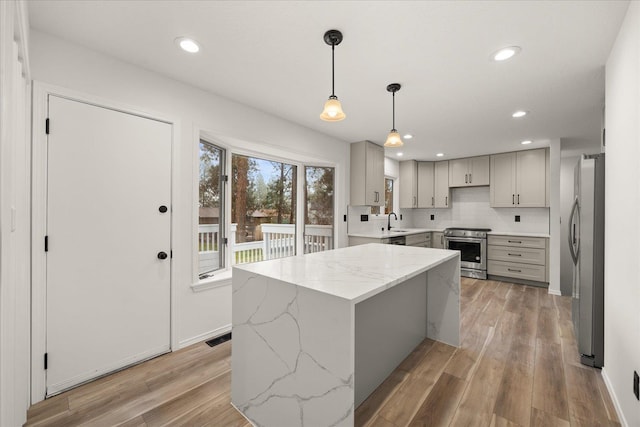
x=388, y=195
x=318, y=209
x=263, y=209
x=210, y=209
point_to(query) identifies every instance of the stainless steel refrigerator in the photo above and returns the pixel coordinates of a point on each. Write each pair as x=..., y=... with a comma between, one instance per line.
x=586, y=244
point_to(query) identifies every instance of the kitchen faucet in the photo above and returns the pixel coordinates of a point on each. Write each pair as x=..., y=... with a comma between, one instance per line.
x=389, y=220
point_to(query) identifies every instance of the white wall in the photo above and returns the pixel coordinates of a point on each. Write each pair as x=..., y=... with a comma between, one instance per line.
x=14, y=213
x=60, y=63
x=622, y=217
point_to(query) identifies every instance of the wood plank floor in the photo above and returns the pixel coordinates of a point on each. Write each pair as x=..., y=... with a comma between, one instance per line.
x=517, y=366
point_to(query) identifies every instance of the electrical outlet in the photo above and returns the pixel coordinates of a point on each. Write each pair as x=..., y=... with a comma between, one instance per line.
x=364, y=217
x=517, y=218
x=433, y=217
x=636, y=385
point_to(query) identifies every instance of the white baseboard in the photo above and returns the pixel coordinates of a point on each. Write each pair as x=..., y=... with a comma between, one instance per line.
x=614, y=398
x=554, y=292
x=205, y=336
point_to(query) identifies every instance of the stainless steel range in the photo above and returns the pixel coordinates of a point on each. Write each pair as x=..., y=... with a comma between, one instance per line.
x=472, y=244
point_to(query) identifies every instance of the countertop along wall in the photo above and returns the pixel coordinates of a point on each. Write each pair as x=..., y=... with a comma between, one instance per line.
x=205, y=313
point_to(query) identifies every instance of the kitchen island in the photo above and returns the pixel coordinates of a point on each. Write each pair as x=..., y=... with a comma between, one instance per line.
x=314, y=335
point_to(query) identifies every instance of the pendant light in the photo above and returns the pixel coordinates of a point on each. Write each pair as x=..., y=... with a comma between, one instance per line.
x=393, y=139
x=332, y=109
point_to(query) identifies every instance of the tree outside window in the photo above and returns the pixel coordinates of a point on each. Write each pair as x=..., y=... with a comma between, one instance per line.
x=263, y=208
x=388, y=195
x=319, y=206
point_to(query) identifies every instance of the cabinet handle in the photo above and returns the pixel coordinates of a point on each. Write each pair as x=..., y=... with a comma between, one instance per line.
x=513, y=199
x=518, y=199
x=514, y=254
x=432, y=201
x=514, y=270
x=377, y=199
x=470, y=181
x=465, y=179
x=415, y=201
x=515, y=241
x=446, y=200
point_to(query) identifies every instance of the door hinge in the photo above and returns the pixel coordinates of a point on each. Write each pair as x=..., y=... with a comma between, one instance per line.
x=225, y=178
x=46, y=243
x=225, y=241
x=171, y=253
x=46, y=360
x=46, y=126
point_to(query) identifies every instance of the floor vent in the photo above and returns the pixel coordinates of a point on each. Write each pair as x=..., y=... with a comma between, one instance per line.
x=219, y=340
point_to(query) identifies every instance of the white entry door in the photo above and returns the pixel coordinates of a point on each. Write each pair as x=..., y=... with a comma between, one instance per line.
x=108, y=225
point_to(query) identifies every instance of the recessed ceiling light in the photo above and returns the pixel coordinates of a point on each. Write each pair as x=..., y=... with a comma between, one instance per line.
x=187, y=44
x=506, y=53
x=526, y=142
x=519, y=113
x=399, y=154
x=408, y=136
x=440, y=154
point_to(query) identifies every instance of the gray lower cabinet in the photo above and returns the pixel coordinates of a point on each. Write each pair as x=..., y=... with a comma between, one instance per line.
x=437, y=240
x=518, y=257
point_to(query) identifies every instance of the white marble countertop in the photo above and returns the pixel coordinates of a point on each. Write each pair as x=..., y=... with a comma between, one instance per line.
x=515, y=233
x=385, y=234
x=354, y=273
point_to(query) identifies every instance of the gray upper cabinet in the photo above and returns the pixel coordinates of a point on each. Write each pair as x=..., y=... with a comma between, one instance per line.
x=519, y=179
x=367, y=174
x=441, y=184
x=408, y=184
x=469, y=172
x=426, y=185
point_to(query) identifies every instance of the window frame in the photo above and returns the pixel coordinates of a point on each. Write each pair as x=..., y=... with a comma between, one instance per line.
x=223, y=277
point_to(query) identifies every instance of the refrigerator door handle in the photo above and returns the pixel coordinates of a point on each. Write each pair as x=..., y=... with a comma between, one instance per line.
x=572, y=232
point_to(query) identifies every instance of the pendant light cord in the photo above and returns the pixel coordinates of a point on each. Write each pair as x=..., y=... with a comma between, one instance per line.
x=333, y=73
x=394, y=110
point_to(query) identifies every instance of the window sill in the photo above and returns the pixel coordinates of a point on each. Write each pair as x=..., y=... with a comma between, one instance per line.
x=218, y=280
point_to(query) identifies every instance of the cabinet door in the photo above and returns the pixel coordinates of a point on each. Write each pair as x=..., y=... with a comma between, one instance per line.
x=408, y=184
x=426, y=197
x=374, y=175
x=441, y=187
x=437, y=240
x=502, y=189
x=531, y=174
x=479, y=170
x=458, y=173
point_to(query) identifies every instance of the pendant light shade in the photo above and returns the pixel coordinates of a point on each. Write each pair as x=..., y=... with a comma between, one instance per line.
x=332, y=108
x=393, y=139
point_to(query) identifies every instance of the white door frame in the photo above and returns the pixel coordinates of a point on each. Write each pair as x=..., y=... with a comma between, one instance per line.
x=41, y=91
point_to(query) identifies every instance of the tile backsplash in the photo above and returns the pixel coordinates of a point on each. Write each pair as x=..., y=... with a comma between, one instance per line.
x=469, y=208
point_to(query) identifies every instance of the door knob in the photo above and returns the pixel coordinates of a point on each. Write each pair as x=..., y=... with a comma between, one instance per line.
x=162, y=255
x=162, y=209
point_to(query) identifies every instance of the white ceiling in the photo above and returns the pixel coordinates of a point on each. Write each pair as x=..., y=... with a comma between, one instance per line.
x=454, y=99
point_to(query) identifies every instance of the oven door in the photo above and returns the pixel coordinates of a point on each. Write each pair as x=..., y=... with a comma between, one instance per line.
x=472, y=251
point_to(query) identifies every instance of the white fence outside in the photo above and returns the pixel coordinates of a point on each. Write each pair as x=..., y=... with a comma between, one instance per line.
x=279, y=240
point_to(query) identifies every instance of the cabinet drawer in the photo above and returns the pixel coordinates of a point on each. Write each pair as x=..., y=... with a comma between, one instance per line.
x=517, y=241
x=515, y=254
x=517, y=270
x=416, y=239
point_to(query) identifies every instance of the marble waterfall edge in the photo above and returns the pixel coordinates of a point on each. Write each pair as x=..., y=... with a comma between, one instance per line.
x=285, y=370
